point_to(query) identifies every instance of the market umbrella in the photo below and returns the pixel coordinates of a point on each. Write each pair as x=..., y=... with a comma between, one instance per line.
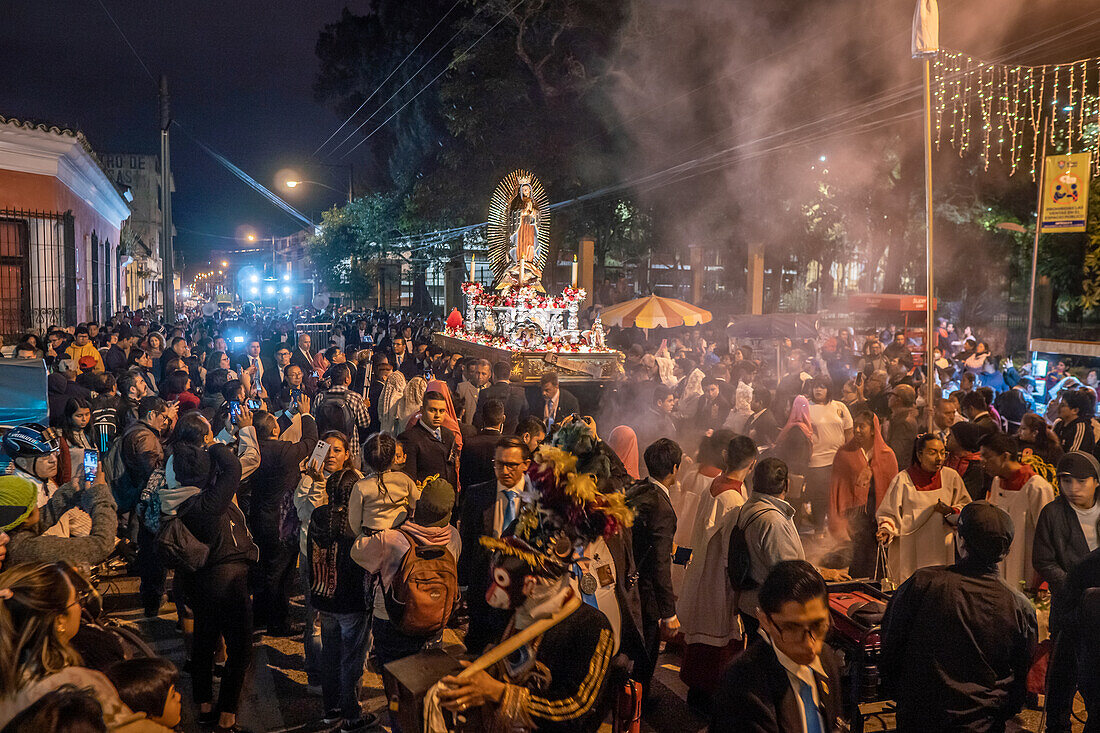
x=653, y=311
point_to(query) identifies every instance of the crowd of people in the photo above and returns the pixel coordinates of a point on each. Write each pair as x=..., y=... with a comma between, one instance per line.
x=402, y=490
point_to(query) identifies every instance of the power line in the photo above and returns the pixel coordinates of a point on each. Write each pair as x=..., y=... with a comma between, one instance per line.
x=247, y=179
x=394, y=71
x=422, y=89
x=127, y=40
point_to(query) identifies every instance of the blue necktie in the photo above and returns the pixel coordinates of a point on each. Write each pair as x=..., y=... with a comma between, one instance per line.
x=509, y=510
x=813, y=717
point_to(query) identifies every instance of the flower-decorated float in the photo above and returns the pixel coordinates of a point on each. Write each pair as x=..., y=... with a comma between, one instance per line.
x=516, y=319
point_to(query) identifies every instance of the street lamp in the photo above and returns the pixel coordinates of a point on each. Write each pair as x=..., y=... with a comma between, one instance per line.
x=292, y=180
x=295, y=183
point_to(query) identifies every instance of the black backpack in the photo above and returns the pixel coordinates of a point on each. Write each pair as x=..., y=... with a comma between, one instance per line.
x=739, y=561
x=177, y=548
x=334, y=413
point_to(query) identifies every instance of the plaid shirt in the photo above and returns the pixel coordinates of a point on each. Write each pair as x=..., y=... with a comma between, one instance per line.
x=358, y=407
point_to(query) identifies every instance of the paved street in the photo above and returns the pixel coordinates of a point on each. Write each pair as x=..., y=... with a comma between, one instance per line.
x=277, y=676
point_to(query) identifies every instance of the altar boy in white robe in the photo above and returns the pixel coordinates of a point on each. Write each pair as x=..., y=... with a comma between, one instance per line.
x=917, y=515
x=1022, y=494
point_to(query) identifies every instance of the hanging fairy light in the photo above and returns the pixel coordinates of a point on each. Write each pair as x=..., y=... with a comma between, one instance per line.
x=999, y=110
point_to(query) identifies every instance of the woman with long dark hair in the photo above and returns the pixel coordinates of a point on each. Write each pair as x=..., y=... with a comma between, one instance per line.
x=335, y=583
x=202, y=478
x=39, y=616
x=386, y=497
x=1036, y=437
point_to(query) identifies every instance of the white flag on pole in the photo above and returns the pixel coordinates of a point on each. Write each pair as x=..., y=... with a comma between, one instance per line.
x=926, y=29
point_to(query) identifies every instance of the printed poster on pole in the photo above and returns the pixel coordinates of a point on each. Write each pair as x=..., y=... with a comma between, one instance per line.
x=1065, y=193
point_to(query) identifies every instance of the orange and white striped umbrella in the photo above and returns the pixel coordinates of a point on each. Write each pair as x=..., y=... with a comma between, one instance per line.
x=652, y=311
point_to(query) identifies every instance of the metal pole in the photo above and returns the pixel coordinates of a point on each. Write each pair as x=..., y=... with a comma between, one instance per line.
x=167, y=262
x=351, y=183
x=930, y=366
x=1035, y=245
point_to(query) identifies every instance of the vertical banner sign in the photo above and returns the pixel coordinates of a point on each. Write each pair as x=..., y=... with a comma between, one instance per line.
x=1065, y=193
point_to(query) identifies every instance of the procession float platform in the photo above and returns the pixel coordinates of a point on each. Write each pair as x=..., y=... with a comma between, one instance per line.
x=528, y=366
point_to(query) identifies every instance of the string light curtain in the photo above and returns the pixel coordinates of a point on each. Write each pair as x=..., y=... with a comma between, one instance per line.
x=1002, y=110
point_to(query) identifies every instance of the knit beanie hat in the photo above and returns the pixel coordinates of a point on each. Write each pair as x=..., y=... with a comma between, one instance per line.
x=18, y=498
x=436, y=502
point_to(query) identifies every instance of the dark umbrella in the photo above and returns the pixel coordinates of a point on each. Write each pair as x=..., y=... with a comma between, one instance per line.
x=773, y=325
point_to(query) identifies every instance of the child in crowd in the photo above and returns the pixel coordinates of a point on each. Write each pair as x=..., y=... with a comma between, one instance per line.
x=149, y=685
x=386, y=497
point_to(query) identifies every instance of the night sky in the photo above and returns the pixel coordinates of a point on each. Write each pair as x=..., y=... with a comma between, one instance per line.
x=240, y=76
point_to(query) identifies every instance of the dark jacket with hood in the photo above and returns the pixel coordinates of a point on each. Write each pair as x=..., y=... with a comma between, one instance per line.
x=1058, y=547
x=210, y=512
x=59, y=391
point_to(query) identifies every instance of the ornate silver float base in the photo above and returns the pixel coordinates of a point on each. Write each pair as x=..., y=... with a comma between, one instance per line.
x=528, y=366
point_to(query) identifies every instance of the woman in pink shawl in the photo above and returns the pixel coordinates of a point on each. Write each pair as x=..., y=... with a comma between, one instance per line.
x=625, y=444
x=795, y=442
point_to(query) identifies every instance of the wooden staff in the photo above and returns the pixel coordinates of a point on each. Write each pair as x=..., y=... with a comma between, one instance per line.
x=509, y=645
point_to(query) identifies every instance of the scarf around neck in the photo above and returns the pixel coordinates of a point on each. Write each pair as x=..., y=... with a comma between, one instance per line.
x=923, y=480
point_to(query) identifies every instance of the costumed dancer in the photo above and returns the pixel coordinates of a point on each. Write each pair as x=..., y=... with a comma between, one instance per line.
x=916, y=514
x=557, y=680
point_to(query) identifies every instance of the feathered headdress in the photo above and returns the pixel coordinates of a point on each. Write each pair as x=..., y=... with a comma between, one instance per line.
x=561, y=510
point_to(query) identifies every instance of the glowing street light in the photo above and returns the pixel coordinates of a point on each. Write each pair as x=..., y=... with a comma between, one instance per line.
x=225, y=264
x=293, y=184
x=251, y=237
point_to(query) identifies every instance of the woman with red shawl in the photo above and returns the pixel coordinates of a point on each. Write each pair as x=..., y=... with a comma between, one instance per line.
x=862, y=471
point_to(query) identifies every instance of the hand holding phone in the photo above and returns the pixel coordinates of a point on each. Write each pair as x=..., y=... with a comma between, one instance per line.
x=91, y=465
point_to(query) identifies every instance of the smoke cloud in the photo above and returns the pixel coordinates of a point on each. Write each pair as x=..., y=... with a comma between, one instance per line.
x=762, y=97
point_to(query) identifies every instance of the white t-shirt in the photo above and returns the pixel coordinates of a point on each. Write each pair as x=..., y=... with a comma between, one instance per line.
x=830, y=421
x=1088, y=519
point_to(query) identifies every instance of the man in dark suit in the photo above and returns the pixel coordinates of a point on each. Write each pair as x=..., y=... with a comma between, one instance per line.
x=402, y=360
x=274, y=377
x=787, y=681
x=488, y=508
x=430, y=448
x=380, y=372
x=510, y=395
x=475, y=466
x=270, y=488
x=555, y=403
x=358, y=336
x=251, y=361
x=302, y=356
x=653, y=530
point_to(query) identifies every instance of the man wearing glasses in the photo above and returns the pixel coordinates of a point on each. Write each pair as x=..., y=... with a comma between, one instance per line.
x=788, y=680
x=489, y=508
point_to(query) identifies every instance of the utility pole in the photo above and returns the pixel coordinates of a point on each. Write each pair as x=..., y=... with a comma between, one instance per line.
x=167, y=261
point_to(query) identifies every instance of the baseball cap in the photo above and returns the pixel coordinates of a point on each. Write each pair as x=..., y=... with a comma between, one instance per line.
x=1079, y=465
x=987, y=529
x=87, y=362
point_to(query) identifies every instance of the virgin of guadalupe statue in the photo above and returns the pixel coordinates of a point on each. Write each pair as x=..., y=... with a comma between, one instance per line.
x=518, y=231
x=523, y=269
